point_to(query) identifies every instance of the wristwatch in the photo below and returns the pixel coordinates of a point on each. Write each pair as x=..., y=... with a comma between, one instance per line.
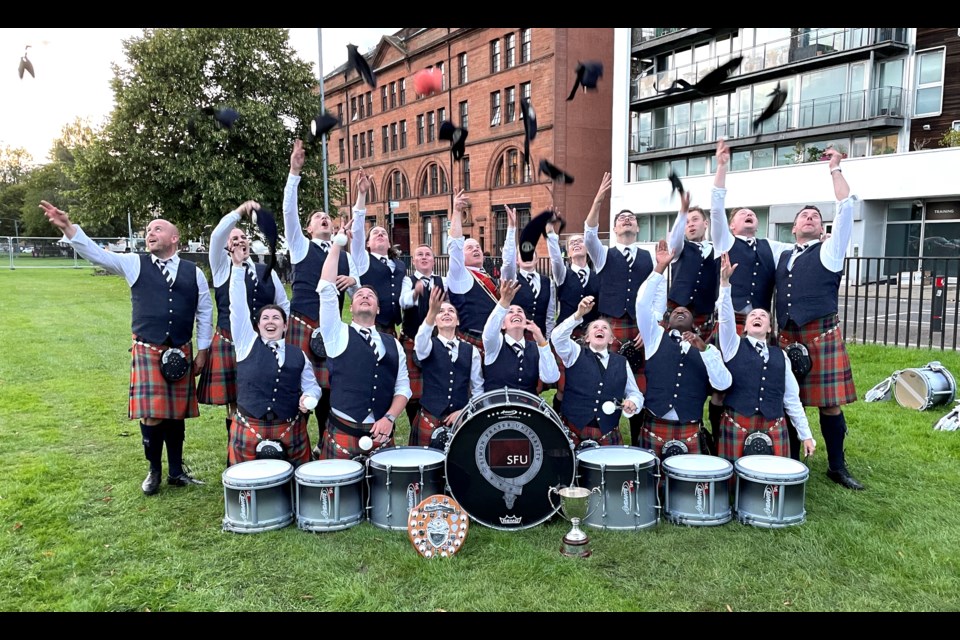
x=392, y=418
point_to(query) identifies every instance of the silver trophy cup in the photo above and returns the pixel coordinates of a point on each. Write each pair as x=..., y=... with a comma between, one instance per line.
x=574, y=503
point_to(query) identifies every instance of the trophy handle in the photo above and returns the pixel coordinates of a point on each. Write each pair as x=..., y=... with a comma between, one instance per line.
x=596, y=504
x=550, y=492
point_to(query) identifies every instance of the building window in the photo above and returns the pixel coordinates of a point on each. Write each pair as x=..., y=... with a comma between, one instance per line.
x=462, y=64
x=369, y=103
x=525, y=92
x=403, y=134
x=383, y=98
x=500, y=221
x=929, y=97
x=393, y=95
x=397, y=188
x=403, y=91
x=443, y=75
x=507, y=169
x=464, y=115
x=494, y=56
x=511, y=103
x=341, y=150
x=356, y=148
x=883, y=145
x=465, y=168
x=361, y=108
x=393, y=136
x=420, y=129
x=344, y=191
x=431, y=126
x=363, y=145
x=513, y=166
x=370, y=143
x=441, y=114
x=428, y=231
x=434, y=181
x=494, y=108
x=525, y=37
x=353, y=108
x=386, y=138
x=340, y=112
x=511, y=39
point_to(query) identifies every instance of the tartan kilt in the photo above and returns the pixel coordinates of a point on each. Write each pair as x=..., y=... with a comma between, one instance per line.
x=624, y=330
x=218, y=378
x=299, y=330
x=830, y=381
x=592, y=432
x=342, y=445
x=654, y=432
x=422, y=428
x=704, y=324
x=243, y=442
x=151, y=396
x=413, y=370
x=735, y=427
x=475, y=341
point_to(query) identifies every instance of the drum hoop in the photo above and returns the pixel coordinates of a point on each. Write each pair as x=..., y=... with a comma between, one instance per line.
x=649, y=460
x=340, y=478
x=436, y=464
x=710, y=475
x=272, y=480
x=767, y=478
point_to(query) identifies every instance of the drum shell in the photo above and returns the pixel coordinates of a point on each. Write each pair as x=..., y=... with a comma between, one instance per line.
x=697, y=490
x=398, y=479
x=331, y=498
x=257, y=496
x=627, y=477
x=926, y=387
x=770, y=497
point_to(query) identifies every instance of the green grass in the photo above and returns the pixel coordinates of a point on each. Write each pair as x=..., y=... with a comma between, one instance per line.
x=76, y=533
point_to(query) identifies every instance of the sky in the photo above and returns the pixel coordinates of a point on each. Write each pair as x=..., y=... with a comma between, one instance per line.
x=73, y=76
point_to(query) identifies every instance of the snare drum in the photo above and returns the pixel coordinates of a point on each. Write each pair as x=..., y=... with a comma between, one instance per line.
x=929, y=386
x=399, y=478
x=627, y=477
x=507, y=450
x=697, y=490
x=329, y=495
x=256, y=496
x=771, y=491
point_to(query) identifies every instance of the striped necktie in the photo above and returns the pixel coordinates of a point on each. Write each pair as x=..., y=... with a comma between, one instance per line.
x=275, y=347
x=518, y=349
x=251, y=273
x=451, y=349
x=162, y=265
x=629, y=256
x=582, y=274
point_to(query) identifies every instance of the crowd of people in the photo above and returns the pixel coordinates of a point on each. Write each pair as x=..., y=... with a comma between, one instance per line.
x=602, y=328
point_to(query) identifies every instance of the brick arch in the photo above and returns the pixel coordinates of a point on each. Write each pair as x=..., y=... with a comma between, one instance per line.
x=422, y=173
x=498, y=155
x=385, y=183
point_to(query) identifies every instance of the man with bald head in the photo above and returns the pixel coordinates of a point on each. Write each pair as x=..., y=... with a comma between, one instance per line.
x=167, y=294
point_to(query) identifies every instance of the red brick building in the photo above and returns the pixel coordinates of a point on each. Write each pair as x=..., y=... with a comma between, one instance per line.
x=392, y=132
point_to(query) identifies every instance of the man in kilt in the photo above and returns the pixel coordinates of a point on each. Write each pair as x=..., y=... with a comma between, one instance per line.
x=763, y=389
x=808, y=284
x=415, y=303
x=369, y=385
x=274, y=380
x=681, y=371
x=218, y=380
x=696, y=267
x=536, y=293
x=167, y=294
x=471, y=289
x=307, y=255
x=385, y=274
x=452, y=371
x=596, y=376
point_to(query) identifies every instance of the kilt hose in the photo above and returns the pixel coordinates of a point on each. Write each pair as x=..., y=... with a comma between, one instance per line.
x=625, y=330
x=218, y=378
x=151, y=396
x=734, y=429
x=830, y=381
x=655, y=432
x=246, y=432
x=342, y=439
x=592, y=432
x=704, y=324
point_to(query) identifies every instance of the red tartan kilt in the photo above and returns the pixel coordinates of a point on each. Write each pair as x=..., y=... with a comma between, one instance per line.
x=734, y=429
x=151, y=396
x=654, y=432
x=422, y=428
x=298, y=334
x=338, y=444
x=624, y=330
x=830, y=380
x=416, y=375
x=243, y=442
x=590, y=432
x=477, y=342
x=218, y=378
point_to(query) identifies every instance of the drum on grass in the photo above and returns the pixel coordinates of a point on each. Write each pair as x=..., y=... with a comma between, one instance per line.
x=627, y=477
x=929, y=386
x=771, y=491
x=507, y=449
x=398, y=479
x=256, y=496
x=697, y=490
x=329, y=495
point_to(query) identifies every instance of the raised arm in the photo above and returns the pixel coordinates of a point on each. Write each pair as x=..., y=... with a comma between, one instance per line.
x=297, y=242
x=565, y=346
x=458, y=280
x=727, y=329
x=557, y=269
x=241, y=328
x=358, y=248
x=123, y=264
x=508, y=270
x=719, y=227
x=677, y=233
x=835, y=247
x=219, y=252
x=591, y=236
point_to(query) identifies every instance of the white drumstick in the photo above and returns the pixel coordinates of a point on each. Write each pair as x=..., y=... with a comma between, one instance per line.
x=340, y=239
x=366, y=443
x=310, y=403
x=609, y=407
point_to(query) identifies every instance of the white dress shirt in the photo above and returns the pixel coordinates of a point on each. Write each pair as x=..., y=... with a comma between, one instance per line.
x=493, y=339
x=509, y=271
x=361, y=257
x=409, y=298
x=423, y=344
x=598, y=252
x=835, y=247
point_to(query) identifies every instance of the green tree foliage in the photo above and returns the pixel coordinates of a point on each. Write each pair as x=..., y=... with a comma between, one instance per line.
x=161, y=154
x=15, y=163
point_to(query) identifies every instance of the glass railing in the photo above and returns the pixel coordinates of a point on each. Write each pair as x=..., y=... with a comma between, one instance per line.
x=639, y=35
x=828, y=110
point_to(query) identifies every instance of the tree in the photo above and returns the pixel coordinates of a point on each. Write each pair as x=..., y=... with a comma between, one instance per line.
x=163, y=154
x=15, y=163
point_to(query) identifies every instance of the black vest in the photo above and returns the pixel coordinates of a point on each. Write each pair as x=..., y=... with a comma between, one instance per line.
x=587, y=388
x=359, y=383
x=571, y=292
x=676, y=381
x=758, y=386
x=306, y=278
x=388, y=287
x=263, y=386
x=752, y=282
x=809, y=291
x=413, y=317
x=534, y=307
x=695, y=280
x=164, y=314
x=258, y=295
x=507, y=372
x=619, y=284
x=473, y=307
x=446, y=384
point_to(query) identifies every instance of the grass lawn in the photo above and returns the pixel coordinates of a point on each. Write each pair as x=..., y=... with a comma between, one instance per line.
x=76, y=533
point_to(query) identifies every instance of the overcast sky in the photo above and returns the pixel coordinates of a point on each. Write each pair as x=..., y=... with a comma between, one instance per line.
x=73, y=76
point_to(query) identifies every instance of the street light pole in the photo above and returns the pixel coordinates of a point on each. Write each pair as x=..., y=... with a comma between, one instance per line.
x=129, y=232
x=326, y=196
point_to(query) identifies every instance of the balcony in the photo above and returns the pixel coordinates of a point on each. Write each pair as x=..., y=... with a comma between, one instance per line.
x=638, y=35
x=862, y=107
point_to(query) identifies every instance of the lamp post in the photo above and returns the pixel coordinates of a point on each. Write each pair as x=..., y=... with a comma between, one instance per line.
x=326, y=197
x=130, y=232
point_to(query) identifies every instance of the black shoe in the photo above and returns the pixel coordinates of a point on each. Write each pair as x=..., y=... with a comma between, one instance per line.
x=183, y=480
x=844, y=479
x=151, y=484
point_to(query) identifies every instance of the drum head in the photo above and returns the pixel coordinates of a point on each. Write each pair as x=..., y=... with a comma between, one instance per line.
x=697, y=466
x=255, y=473
x=503, y=460
x=625, y=457
x=318, y=471
x=911, y=389
x=774, y=468
x=406, y=457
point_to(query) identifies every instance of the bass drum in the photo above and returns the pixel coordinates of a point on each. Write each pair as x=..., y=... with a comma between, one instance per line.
x=507, y=450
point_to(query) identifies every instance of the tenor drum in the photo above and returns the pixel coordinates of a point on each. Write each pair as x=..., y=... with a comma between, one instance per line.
x=507, y=450
x=627, y=477
x=329, y=495
x=697, y=491
x=929, y=386
x=256, y=496
x=771, y=491
x=399, y=478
